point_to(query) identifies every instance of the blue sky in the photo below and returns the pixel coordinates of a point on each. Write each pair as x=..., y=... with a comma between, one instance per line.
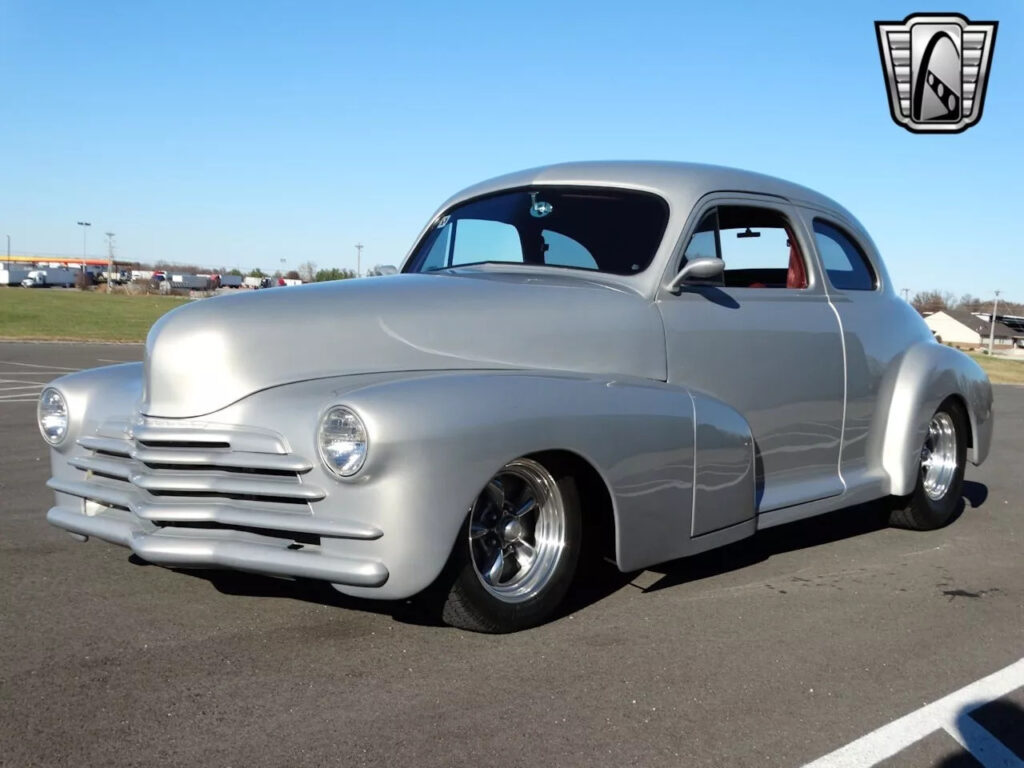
x=243, y=133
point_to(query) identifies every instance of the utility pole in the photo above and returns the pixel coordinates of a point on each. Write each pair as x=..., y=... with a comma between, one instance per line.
x=8, y=251
x=85, y=233
x=359, y=257
x=906, y=294
x=110, y=258
x=992, y=325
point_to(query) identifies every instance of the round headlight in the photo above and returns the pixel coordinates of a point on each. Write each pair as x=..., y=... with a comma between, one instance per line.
x=343, y=441
x=53, y=416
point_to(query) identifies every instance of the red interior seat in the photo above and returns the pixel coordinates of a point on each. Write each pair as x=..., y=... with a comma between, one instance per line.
x=796, y=276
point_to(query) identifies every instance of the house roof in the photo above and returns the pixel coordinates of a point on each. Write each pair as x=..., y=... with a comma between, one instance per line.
x=980, y=326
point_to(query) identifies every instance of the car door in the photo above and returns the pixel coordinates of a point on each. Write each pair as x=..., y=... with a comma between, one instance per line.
x=763, y=339
x=877, y=329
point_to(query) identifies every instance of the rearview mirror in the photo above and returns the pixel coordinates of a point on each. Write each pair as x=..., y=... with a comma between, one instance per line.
x=698, y=269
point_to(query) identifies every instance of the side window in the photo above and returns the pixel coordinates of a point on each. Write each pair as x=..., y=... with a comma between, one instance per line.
x=562, y=251
x=479, y=240
x=847, y=267
x=757, y=245
x=704, y=242
x=438, y=253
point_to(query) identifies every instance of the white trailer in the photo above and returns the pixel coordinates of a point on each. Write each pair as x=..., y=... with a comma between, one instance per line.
x=13, y=275
x=39, y=278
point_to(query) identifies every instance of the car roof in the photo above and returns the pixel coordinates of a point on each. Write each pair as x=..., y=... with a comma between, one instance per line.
x=682, y=184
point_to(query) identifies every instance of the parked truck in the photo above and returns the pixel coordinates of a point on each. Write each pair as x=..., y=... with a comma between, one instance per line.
x=192, y=282
x=41, y=278
x=230, y=281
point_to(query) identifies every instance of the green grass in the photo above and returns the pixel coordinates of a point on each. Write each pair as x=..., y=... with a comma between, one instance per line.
x=1001, y=370
x=51, y=313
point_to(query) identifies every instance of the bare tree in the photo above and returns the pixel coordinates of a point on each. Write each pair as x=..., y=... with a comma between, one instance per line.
x=932, y=301
x=307, y=271
x=969, y=303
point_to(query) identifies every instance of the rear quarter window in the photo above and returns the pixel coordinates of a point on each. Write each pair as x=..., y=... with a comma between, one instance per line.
x=845, y=262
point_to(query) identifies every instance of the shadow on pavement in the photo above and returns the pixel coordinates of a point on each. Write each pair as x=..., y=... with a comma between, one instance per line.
x=803, y=534
x=1001, y=719
x=306, y=590
x=975, y=493
x=600, y=580
x=812, y=532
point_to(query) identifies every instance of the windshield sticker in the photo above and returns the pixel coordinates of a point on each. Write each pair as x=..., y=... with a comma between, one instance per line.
x=539, y=209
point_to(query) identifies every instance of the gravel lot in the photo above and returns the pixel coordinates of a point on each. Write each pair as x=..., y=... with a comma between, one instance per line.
x=774, y=651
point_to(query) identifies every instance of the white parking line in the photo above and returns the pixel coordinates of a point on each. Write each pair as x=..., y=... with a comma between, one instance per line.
x=36, y=365
x=19, y=391
x=950, y=714
x=21, y=384
x=32, y=373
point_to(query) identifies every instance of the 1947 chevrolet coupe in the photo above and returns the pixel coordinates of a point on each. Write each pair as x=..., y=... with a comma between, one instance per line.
x=661, y=358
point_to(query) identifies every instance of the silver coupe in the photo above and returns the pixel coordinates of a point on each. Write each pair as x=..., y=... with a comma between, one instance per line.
x=638, y=361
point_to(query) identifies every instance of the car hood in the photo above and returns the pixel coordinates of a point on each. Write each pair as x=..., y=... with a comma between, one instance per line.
x=211, y=353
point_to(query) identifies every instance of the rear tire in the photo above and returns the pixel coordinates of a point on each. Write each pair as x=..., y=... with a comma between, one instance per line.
x=936, y=499
x=517, y=552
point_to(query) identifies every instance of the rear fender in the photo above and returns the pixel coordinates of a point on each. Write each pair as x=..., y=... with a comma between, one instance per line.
x=914, y=387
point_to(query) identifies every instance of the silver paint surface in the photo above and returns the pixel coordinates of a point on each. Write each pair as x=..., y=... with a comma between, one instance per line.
x=707, y=414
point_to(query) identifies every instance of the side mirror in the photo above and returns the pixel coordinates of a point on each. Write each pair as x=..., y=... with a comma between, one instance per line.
x=698, y=269
x=387, y=269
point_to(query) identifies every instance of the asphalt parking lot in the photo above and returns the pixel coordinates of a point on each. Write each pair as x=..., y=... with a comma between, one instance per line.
x=776, y=651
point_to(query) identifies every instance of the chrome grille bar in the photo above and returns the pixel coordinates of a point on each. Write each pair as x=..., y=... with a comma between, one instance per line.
x=235, y=485
x=233, y=514
x=103, y=466
x=106, y=445
x=267, y=462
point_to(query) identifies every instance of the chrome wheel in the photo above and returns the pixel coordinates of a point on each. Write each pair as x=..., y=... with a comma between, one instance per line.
x=517, y=531
x=938, y=456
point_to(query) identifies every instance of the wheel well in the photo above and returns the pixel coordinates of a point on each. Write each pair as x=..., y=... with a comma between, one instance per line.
x=595, y=500
x=967, y=417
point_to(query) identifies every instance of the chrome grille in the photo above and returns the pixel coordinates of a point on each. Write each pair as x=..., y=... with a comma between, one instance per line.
x=202, y=476
x=208, y=464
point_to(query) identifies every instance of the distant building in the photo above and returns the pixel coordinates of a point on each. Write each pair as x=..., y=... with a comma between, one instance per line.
x=1013, y=322
x=962, y=329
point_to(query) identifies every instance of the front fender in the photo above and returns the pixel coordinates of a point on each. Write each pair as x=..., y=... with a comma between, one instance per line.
x=441, y=437
x=436, y=438
x=916, y=384
x=95, y=395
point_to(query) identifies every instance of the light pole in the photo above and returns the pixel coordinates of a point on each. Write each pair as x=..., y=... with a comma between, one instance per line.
x=992, y=325
x=359, y=257
x=8, y=251
x=110, y=259
x=85, y=233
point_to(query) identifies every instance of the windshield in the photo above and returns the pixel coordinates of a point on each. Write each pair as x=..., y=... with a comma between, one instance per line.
x=606, y=230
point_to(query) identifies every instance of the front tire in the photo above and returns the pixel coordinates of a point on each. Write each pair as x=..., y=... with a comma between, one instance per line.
x=517, y=553
x=936, y=499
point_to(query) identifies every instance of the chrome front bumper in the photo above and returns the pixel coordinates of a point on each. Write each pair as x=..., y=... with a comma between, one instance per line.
x=181, y=547
x=208, y=496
